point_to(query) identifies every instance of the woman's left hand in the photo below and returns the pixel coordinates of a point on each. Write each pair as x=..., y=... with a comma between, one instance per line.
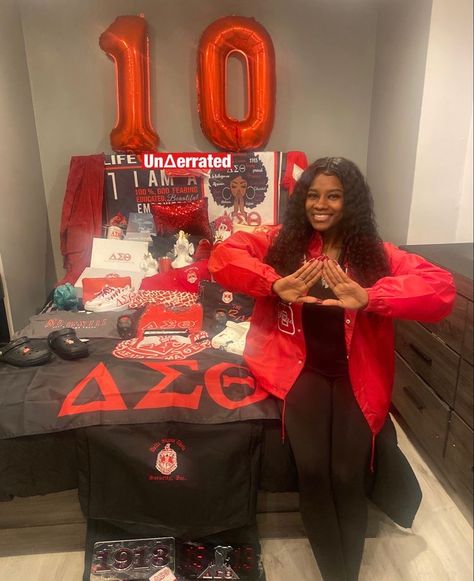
x=350, y=295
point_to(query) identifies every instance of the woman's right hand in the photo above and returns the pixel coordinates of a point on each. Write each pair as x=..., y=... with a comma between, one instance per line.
x=294, y=287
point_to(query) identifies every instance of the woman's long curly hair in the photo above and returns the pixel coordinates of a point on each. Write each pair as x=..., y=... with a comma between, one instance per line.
x=362, y=247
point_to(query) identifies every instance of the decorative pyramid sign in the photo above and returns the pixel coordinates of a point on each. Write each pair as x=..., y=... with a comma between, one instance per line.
x=220, y=569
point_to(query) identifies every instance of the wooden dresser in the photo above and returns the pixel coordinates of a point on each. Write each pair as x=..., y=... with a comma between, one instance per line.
x=433, y=390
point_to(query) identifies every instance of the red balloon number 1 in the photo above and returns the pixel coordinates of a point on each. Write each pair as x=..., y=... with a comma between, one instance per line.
x=126, y=43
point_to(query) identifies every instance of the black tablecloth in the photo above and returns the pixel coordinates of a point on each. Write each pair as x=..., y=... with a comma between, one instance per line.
x=210, y=399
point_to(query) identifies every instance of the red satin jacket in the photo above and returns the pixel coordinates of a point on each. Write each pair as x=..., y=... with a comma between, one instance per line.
x=275, y=350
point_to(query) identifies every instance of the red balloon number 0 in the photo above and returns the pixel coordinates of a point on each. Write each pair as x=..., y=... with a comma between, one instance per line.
x=126, y=43
x=249, y=38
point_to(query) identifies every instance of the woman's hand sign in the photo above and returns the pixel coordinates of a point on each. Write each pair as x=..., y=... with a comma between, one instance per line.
x=350, y=295
x=294, y=287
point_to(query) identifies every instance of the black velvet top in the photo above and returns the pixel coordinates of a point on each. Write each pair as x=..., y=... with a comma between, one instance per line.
x=324, y=335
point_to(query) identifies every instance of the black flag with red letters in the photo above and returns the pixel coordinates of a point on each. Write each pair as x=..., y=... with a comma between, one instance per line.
x=211, y=387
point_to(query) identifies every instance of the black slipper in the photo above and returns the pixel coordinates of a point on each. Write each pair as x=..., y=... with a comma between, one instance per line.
x=22, y=353
x=67, y=344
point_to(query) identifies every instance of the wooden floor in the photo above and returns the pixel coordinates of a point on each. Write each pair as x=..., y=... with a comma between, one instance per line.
x=439, y=547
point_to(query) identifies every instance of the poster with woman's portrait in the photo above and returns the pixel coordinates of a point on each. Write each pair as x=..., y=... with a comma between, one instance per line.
x=248, y=192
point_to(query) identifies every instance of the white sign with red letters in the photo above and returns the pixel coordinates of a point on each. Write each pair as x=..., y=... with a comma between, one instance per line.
x=118, y=254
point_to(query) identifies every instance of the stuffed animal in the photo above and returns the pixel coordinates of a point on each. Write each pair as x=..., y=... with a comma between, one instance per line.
x=183, y=251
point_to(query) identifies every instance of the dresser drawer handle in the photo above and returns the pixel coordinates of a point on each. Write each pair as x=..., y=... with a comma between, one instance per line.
x=419, y=405
x=420, y=353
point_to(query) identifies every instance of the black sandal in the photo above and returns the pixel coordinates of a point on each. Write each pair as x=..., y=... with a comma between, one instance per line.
x=67, y=344
x=22, y=353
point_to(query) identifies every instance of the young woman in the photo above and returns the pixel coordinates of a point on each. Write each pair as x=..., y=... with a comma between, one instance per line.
x=321, y=339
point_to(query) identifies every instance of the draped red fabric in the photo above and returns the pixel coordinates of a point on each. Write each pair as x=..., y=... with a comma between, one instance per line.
x=81, y=217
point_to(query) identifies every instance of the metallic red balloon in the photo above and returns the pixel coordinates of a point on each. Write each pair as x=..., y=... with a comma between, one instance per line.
x=126, y=43
x=249, y=38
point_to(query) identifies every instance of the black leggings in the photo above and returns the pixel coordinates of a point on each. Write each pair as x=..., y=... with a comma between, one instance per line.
x=331, y=442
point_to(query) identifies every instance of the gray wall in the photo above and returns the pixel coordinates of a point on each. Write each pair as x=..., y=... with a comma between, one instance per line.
x=402, y=41
x=23, y=219
x=324, y=59
x=441, y=209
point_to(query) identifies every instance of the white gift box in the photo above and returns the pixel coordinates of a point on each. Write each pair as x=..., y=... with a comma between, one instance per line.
x=115, y=258
x=118, y=254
